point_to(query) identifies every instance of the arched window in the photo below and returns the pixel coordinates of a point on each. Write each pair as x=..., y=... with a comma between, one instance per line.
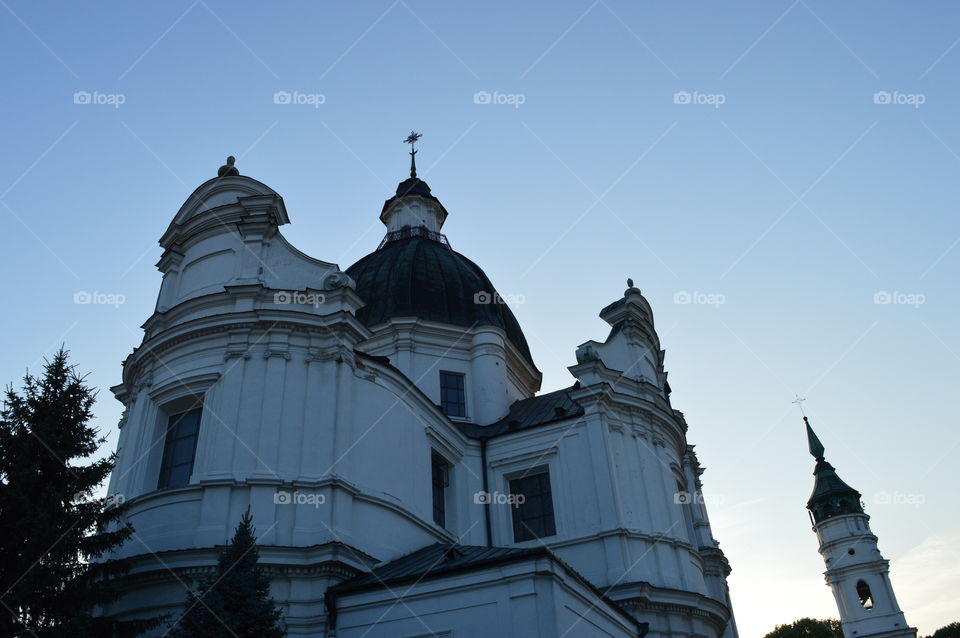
x=866, y=598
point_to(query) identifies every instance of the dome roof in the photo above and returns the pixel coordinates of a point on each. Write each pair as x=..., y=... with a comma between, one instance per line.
x=417, y=276
x=831, y=496
x=413, y=186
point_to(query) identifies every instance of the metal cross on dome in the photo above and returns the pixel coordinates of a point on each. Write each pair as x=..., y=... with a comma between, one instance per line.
x=411, y=140
x=799, y=403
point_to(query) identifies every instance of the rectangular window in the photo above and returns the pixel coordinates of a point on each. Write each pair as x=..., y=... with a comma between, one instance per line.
x=440, y=473
x=533, y=518
x=179, y=448
x=453, y=398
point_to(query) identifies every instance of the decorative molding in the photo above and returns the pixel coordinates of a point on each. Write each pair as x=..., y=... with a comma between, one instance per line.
x=517, y=459
x=439, y=440
x=180, y=386
x=232, y=353
x=154, y=351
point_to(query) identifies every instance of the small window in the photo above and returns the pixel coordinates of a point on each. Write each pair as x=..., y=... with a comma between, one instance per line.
x=440, y=471
x=533, y=517
x=179, y=449
x=453, y=399
x=866, y=597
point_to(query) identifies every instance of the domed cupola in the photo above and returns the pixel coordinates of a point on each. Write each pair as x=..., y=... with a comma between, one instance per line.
x=432, y=309
x=415, y=273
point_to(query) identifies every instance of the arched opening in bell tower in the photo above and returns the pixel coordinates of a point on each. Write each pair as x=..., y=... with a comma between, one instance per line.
x=866, y=597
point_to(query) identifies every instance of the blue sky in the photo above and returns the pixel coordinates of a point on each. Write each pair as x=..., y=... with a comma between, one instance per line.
x=784, y=166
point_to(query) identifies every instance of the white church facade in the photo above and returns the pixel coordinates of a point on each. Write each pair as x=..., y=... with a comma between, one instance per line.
x=383, y=423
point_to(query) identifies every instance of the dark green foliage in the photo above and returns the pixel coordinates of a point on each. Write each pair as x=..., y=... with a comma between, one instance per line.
x=947, y=631
x=235, y=601
x=808, y=628
x=53, y=535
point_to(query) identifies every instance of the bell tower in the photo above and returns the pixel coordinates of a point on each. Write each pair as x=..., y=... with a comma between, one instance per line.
x=856, y=571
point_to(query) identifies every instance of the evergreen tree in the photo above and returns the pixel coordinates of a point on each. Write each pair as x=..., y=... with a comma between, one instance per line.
x=53, y=535
x=808, y=628
x=947, y=631
x=235, y=601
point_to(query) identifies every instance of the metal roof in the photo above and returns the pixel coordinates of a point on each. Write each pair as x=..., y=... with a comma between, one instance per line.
x=438, y=559
x=419, y=277
x=529, y=413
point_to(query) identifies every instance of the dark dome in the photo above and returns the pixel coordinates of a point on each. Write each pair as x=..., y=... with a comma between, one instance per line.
x=831, y=496
x=419, y=277
x=413, y=186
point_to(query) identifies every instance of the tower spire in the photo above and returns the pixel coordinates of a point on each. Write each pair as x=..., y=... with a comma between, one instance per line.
x=412, y=140
x=856, y=571
x=813, y=441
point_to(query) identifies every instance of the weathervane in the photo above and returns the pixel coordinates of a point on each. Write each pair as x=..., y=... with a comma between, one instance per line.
x=411, y=140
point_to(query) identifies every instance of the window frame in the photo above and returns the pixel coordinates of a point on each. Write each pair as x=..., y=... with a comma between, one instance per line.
x=440, y=469
x=546, y=522
x=171, y=438
x=461, y=389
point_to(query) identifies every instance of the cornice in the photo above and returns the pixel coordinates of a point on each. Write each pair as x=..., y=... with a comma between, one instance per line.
x=337, y=325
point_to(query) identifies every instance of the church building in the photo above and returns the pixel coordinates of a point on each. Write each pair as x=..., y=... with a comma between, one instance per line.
x=385, y=427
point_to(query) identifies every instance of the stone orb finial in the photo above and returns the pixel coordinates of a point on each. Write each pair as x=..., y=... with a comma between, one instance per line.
x=228, y=168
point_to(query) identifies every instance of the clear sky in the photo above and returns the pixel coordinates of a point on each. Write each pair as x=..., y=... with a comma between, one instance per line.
x=786, y=167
